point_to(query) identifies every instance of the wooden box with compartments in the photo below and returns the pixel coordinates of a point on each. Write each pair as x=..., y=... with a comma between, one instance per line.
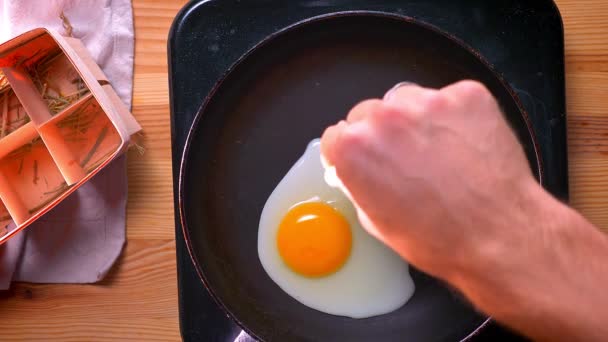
x=61, y=122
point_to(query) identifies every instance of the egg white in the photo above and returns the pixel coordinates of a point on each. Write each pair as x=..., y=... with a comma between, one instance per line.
x=373, y=281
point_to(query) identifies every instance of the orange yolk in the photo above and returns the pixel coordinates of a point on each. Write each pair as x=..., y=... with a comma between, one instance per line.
x=314, y=239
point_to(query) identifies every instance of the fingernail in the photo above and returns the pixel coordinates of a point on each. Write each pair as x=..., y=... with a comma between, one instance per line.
x=395, y=87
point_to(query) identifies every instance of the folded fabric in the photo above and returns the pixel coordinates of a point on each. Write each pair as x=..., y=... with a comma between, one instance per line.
x=79, y=240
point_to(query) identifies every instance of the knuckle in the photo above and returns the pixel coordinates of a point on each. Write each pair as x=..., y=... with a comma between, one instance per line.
x=370, y=105
x=364, y=109
x=435, y=101
x=392, y=117
x=473, y=89
x=389, y=114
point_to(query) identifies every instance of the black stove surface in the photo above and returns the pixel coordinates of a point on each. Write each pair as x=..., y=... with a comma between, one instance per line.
x=521, y=39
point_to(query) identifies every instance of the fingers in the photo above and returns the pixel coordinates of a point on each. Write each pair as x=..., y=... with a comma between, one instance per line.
x=466, y=87
x=333, y=134
x=405, y=101
x=363, y=110
x=353, y=152
x=330, y=140
x=405, y=91
x=400, y=94
x=410, y=95
x=407, y=95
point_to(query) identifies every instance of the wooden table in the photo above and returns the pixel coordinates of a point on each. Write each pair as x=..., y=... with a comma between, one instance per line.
x=138, y=299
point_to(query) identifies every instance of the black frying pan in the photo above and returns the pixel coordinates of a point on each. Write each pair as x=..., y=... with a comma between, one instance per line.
x=256, y=124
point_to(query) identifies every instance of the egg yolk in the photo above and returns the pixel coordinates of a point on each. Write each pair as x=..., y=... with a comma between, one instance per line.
x=314, y=239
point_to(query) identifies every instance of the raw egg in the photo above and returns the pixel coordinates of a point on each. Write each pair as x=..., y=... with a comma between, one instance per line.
x=311, y=244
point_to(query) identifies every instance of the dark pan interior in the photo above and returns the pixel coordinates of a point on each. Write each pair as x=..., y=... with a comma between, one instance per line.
x=257, y=124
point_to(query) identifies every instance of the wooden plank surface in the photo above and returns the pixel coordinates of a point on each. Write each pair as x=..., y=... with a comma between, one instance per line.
x=138, y=300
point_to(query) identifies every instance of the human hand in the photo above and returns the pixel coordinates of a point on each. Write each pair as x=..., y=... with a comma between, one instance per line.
x=439, y=176
x=438, y=173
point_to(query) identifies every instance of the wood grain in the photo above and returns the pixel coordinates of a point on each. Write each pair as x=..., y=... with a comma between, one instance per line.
x=138, y=300
x=586, y=36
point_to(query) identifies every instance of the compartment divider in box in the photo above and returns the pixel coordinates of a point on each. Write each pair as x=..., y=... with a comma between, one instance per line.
x=11, y=200
x=39, y=113
x=64, y=113
x=19, y=137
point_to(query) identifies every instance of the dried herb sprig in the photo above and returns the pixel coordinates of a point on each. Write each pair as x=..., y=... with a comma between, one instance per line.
x=54, y=194
x=43, y=77
x=25, y=149
x=11, y=116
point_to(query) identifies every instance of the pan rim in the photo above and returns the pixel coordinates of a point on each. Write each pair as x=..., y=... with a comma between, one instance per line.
x=280, y=32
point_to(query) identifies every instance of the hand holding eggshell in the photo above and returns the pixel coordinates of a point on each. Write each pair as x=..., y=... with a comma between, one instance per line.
x=440, y=177
x=424, y=168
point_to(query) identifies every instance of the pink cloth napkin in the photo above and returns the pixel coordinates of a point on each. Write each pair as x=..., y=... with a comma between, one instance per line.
x=79, y=240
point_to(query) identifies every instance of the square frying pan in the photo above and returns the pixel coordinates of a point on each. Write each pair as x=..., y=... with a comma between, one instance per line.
x=257, y=119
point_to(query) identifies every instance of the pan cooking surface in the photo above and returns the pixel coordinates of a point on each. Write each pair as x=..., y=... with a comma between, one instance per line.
x=257, y=123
